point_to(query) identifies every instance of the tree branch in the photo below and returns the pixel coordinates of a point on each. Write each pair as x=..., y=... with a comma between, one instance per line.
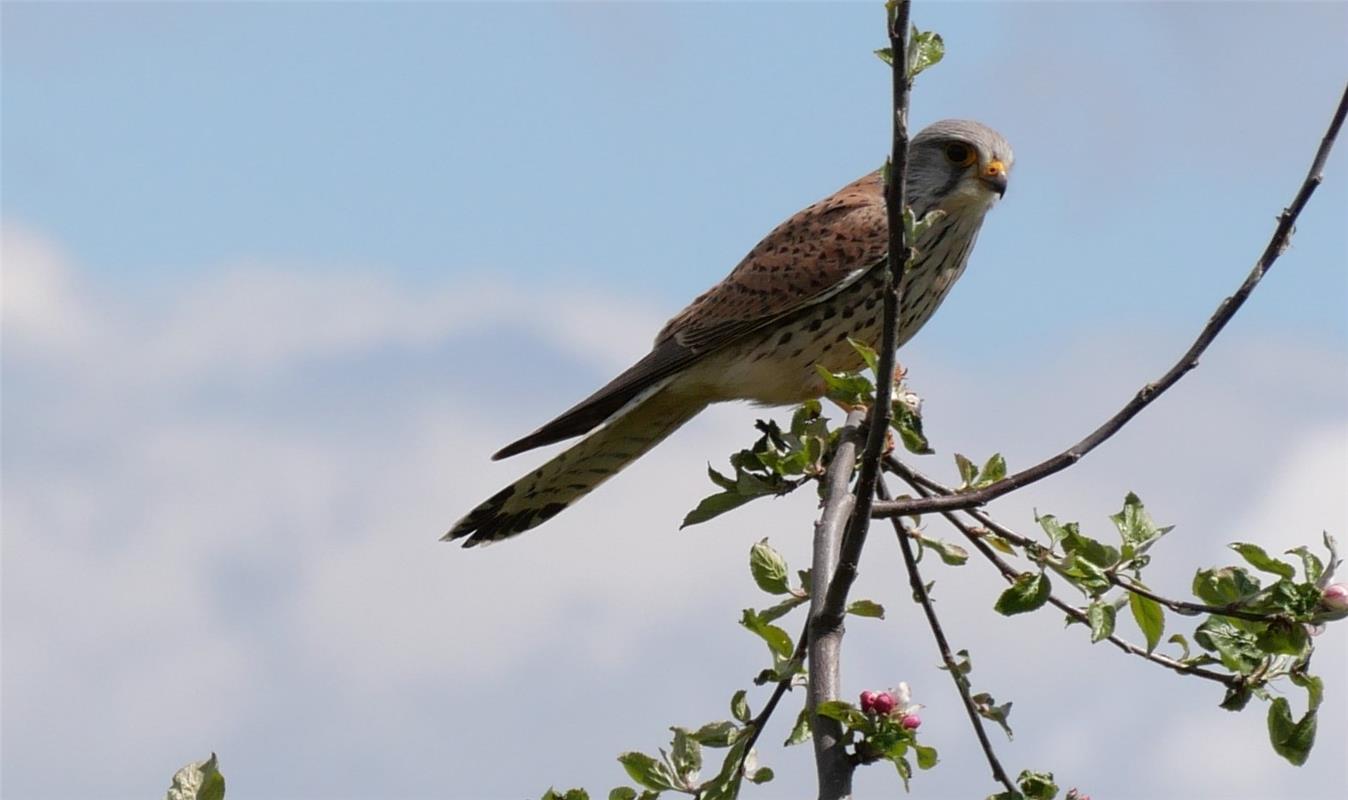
x=961, y=682
x=824, y=633
x=1147, y=394
x=877, y=422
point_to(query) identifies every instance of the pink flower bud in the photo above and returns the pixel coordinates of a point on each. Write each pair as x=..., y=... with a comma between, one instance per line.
x=883, y=703
x=1335, y=597
x=911, y=721
x=868, y=702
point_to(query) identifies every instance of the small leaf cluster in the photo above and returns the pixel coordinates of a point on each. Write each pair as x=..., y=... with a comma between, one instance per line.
x=1258, y=632
x=771, y=572
x=854, y=389
x=679, y=768
x=777, y=464
x=781, y=461
x=925, y=49
x=985, y=704
x=876, y=737
x=200, y=780
x=1032, y=786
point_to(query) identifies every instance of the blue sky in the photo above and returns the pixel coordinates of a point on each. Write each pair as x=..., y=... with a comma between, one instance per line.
x=278, y=278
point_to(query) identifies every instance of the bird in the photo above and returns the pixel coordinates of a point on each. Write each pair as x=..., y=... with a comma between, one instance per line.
x=792, y=303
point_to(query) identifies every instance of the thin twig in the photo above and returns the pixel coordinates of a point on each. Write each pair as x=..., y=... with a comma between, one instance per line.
x=1147, y=394
x=757, y=723
x=961, y=682
x=1010, y=573
x=824, y=637
x=877, y=423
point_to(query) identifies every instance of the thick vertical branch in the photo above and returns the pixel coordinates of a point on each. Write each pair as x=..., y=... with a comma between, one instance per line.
x=825, y=640
x=841, y=531
x=877, y=423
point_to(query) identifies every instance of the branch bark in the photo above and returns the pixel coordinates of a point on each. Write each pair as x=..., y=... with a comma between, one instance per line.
x=824, y=634
x=877, y=422
x=1147, y=394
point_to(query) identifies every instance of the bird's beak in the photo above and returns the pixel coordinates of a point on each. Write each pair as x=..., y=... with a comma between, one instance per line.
x=993, y=176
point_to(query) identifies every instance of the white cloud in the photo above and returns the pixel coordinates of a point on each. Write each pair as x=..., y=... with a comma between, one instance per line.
x=263, y=578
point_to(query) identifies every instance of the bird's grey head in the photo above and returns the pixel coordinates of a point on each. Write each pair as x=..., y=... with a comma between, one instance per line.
x=957, y=165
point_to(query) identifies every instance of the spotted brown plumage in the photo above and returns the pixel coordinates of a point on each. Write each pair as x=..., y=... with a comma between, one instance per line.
x=790, y=304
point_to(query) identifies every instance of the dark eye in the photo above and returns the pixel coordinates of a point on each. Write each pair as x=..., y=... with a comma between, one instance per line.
x=961, y=154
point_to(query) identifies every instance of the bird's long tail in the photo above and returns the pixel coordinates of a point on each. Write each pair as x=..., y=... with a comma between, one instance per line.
x=575, y=472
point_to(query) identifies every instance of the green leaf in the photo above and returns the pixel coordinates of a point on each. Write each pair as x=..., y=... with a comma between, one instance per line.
x=915, y=228
x=715, y=505
x=647, y=771
x=1136, y=529
x=846, y=389
x=739, y=706
x=987, y=707
x=867, y=354
x=623, y=793
x=718, y=734
x=905, y=769
x=925, y=49
x=1262, y=561
x=866, y=608
x=760, y=775
x=1225, y=586
x=1055, y=530
x=720, y=480
x=1315, y=688
x=574, y=794
x=1100, y=615
x=1310, y=563
x=842, y=711
x=1030, y=591
x=926, y=756
x=1076, y=543
x=800, y=732
x=685, y=755
x=1176, y=638
x=908, y=423
x=1236, y=647
x=993, y=470
x=1037, y=785
x=1284, y=638
x=200, y=780
x=779, y=641
x=951, y=554
x=726, y=784
x=886, y=54
x=768, y=568
x=1291, y=740
x=968, y=472
x=783, y=608
x=1149, y=616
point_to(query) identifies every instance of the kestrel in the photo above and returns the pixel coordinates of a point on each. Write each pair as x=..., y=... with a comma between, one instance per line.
x=792, y=303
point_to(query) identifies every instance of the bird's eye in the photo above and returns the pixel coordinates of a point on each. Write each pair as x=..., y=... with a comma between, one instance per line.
x=961, y=154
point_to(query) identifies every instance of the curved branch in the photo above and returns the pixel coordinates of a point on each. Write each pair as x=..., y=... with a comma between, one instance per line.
x=1147, y=394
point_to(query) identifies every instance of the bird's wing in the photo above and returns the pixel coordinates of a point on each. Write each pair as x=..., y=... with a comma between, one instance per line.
x=804, y=259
